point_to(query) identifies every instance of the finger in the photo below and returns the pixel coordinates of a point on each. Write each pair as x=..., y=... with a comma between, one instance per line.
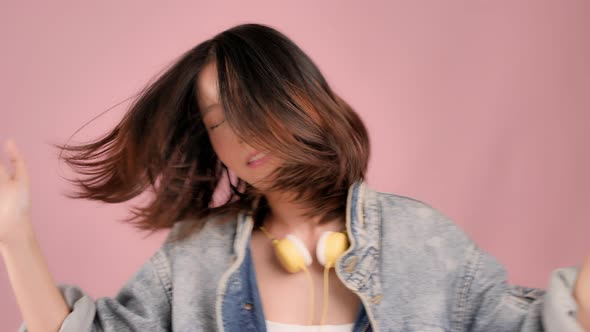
x=17, y=159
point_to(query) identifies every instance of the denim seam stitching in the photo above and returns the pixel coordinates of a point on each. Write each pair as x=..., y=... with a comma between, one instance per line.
x=162, y=269
x=462, y=306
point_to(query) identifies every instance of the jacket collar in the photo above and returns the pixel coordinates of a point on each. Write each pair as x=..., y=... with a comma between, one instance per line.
x=358, y=265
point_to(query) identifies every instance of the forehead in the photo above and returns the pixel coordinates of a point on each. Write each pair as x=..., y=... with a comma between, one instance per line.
x=207, y=88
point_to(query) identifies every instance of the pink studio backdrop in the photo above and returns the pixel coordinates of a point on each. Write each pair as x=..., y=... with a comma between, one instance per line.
x=478, y=108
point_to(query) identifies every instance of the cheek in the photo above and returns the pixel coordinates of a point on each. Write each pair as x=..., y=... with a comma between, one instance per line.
x=225, y=147
x=218, y=145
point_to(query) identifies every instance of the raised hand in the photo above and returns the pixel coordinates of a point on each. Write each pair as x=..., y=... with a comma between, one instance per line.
x=15, y=196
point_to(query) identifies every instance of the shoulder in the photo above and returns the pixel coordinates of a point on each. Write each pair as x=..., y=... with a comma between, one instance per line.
x=210, y=243
x=216, y=232
x=424, y=246
x=412, y=223
x=213, y=228
x=201, y=256
x=404, y=211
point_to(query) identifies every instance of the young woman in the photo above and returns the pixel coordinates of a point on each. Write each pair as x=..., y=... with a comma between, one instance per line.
x=300, y=242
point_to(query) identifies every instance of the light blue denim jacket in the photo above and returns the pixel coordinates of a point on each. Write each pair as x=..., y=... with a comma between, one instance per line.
x=412, y=267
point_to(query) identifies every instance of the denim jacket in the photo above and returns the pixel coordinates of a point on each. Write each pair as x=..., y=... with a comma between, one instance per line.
x=412, y=267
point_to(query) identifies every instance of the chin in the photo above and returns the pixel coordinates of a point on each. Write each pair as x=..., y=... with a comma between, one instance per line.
x=258, y=182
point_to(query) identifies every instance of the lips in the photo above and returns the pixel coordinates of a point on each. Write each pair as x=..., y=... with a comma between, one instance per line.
x=254, y=154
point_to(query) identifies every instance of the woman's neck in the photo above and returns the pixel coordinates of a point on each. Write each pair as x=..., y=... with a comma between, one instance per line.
x=285, y=216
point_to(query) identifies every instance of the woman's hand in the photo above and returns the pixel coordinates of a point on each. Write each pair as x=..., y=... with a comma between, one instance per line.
x=582, y=294
x=15, y=197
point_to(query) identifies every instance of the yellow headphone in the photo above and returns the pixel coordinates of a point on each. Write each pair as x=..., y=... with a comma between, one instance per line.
x=294, y=257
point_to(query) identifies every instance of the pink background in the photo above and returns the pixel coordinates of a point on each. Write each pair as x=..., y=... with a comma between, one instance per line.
x=479, y=108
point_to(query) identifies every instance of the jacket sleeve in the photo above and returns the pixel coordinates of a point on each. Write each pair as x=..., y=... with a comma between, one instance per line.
x=488, y=302
x=142, y=304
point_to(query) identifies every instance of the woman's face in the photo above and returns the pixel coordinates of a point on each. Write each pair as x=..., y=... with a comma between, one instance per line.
x=228, y=147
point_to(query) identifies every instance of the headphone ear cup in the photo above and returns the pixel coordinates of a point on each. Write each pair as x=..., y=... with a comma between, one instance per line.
x=292, y=253
x=331, y=245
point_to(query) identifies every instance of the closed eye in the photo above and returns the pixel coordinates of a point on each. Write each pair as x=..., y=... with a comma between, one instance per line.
x=217, y=125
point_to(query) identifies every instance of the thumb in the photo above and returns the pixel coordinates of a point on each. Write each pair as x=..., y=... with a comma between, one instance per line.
x=20, y=172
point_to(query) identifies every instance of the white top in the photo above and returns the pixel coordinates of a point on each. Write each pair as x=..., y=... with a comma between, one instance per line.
x=282, y=327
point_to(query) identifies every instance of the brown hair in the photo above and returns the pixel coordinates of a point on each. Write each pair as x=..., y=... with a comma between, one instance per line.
x=272, y=95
